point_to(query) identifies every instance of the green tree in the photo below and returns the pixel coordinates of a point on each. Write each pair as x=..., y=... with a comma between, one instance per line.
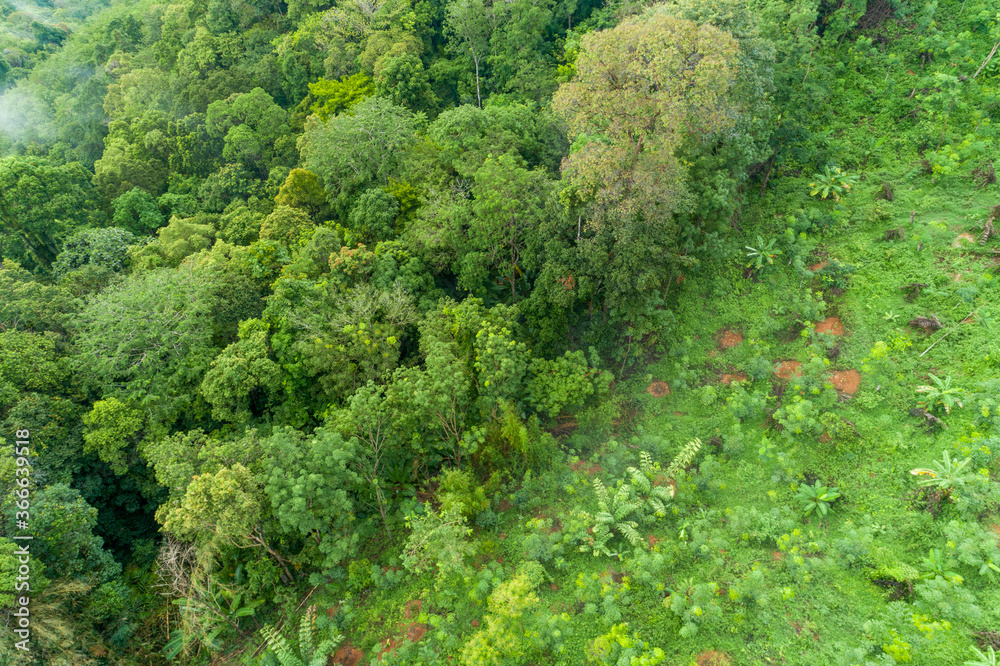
x=31, y=305
x=309, y=486
x=106, y=249
x=113, y=432
x=40, y=205
x=334, y=97
x=148, y=338
x=62, y=525
x=373, y=217
x=357, y=151
x=181, y=238
x=137, y=212
x=629, y=108
x=243, y=378
x=469, y=26
x=253, y=128
x=302, y=189
x=509, y=207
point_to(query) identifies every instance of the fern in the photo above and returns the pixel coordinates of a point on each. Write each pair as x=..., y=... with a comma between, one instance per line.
x=636, y=501
x=309, y=654
x=684, y=459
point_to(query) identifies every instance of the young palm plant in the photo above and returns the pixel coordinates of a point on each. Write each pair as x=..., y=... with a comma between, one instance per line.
x=816, y=498
x=946, y=475
x=941, y=394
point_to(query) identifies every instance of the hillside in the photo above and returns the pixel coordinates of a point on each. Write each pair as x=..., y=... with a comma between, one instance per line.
x=500, y=333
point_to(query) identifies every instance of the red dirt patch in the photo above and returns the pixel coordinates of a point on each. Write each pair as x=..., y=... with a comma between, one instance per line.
x=824, y=438
x=737, y=377
x=996, y=528
x=579, y=465
x=730, y=339
x=967, y=237
x=846, y=381
x=786, y=369
x=713, y=658
x=818, y=267
x=830, y=325
x=348, y=655
x=412, y=608
x=652, y=540
x=658, y=389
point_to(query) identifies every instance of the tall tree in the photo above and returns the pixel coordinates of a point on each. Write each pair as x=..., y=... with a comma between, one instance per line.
x=40, y=204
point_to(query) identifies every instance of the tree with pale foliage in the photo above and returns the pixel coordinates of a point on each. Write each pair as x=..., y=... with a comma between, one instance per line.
x=640, y=90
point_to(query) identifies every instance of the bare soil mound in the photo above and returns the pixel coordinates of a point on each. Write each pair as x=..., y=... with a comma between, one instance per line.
x=730, y=378
x=818, y=267
x=658, y=389
x=787, y=368
x=962, y=239
x=348, y=655
x=846, y=381
x=830, y=325
x=728, y=339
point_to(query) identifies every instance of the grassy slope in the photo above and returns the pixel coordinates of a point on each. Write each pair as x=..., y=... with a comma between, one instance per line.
x=812, y=578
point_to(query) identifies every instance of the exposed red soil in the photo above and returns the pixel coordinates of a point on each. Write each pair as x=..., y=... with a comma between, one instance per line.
x=728, y=339
x=679, y=414
x=652, y=540
x=591, y=470
x=830, y=325
x=412, y=608
x=658, y=389
x=967, y=237
x=736, y=377
x=818, y=267
x=713, y=658
x=787, y=368
x=996, y=528
x=348, y=655
x=846, y=381
x=824, y=438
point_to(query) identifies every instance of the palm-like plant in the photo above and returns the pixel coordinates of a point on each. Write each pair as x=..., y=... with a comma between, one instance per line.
x=816, y=498
x=983, y=658
x=832, y=181
x=946, y=475
x=762, y=255
x=934, y=565
x=942, y=393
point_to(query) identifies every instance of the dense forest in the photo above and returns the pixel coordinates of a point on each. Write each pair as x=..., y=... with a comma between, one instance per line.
x=499, y=333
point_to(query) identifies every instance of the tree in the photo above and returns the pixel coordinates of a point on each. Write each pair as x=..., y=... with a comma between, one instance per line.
x=334, y=97
x=41, y=204
x=373, y=217
x=254, y=130
x=468, y=24
x=148, y=338
x=510, y=205
x=309, y=489
x=31, y=305
x=302, y=189
x=62, y=525
x=243, y=377
x=106, y=248
x=181, y=238
x=368, y=421
x=137, y=212
x=113, y=433
x=639, y=90
x=360, y=150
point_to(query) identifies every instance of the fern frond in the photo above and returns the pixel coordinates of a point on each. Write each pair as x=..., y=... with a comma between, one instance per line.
x=281, y=648
x=306, y=628
x=639, y=479
x=646, y=463
x=325, y=649
x=630, y=532
x=684, y=459
x=602, y=495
